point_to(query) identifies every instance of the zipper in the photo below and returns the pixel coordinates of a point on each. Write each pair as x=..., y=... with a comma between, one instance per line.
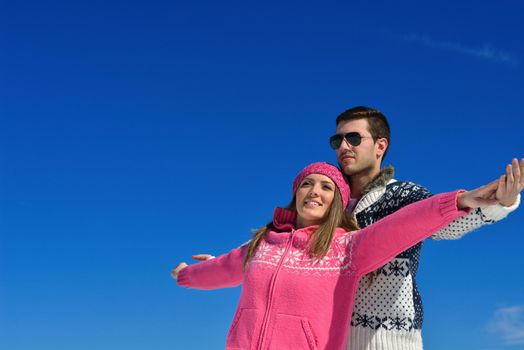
x=271, y=293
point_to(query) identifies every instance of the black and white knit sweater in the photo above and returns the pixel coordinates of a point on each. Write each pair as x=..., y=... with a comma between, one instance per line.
x=388, y=310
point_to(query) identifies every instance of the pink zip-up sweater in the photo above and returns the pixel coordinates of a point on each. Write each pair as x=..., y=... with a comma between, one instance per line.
x=291, y=300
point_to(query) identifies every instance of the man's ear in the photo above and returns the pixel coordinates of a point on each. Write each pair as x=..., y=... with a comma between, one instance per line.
x=381, y=147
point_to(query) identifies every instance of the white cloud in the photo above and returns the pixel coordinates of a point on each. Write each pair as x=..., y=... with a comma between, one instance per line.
x=508, y=323
x=487, y=51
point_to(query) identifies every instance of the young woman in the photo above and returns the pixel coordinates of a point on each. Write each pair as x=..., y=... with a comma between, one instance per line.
x=298, y=270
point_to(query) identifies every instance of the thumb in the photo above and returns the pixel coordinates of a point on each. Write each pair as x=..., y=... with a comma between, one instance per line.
x=202, y=257
x=176, y=270
x=486, y=190
x=492, y=186
x=484, y=202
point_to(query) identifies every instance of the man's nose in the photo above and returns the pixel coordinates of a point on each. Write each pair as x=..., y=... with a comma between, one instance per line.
x=344, y=145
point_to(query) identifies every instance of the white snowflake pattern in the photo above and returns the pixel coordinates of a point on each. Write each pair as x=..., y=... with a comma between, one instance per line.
x=320, y=262
x=294, y=257
x=344, y=240
x=263, y=250
x=342, y=258
x=277, y=254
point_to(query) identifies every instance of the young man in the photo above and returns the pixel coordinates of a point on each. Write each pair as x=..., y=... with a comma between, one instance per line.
x=388, y=310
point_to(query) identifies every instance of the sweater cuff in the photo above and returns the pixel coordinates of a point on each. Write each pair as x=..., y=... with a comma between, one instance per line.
x=448, y=204
x=498, y=212
x=183, y=278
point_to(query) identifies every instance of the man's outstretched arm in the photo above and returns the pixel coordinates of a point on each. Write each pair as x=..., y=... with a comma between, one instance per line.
x=508, y=197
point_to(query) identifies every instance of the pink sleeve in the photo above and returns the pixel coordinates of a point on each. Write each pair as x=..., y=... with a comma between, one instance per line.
x=223, y=271
x=377, y=244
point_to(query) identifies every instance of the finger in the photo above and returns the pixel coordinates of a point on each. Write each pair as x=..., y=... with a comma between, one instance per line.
x=488, y=189
x=522, y=172
x=502, y=183
x=509, y=175
x=493, y=184
x=202, y=257
x=501, y=187
x=176, y=270
x=491, y=193
x=516, y=171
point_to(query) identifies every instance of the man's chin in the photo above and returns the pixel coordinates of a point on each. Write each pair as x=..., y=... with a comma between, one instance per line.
x=347, y=170
x=346, y=166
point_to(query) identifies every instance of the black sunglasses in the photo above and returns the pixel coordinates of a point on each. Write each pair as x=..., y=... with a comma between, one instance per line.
x=353, y=138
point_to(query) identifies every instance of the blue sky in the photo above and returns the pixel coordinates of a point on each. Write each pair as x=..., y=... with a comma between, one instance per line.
x=134, y=134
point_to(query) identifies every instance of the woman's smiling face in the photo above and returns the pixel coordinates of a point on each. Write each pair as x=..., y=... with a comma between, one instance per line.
x=313, y=199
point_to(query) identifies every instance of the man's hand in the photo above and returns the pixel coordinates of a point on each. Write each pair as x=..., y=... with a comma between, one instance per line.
x=511, y=184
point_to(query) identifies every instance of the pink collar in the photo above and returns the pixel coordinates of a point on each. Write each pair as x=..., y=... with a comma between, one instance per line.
x=284, y=219
x=285, y=222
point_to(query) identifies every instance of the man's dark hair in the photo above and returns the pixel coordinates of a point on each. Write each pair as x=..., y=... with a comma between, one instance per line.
x=378, y=124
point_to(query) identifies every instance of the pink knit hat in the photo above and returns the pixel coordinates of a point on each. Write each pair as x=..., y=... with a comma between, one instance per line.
x=328, y=170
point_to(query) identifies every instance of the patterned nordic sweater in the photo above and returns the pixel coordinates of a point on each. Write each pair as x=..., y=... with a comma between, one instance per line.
x=388, y=312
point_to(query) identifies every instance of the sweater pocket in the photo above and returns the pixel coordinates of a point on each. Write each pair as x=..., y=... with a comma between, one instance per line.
x=241, y=332
x=292, y=332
